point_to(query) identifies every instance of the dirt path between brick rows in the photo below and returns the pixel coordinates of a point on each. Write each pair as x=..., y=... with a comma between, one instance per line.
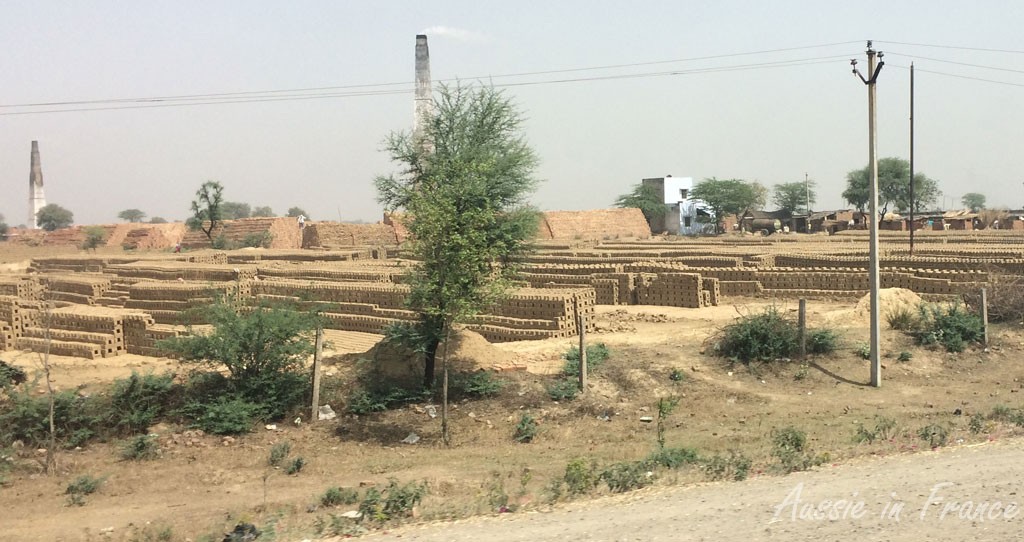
x=955, y=494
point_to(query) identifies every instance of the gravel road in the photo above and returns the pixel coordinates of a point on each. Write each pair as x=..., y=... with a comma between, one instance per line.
x=959, y=493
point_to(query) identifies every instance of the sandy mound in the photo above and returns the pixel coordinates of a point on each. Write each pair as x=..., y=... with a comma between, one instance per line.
x=889, y=299
x=469, y=351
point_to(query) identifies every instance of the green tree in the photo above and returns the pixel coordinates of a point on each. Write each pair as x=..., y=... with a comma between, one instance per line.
x=206, y=208
x=296, y=211
x=54, y=217
x=263, y=349
x=233, y=210
x=463, y=188
x=94, y=237
x=648, y=199
x=3, y=228
x=158, y=220
x=262, y=212
x=131, y=215
x=893, y=187
x=729, y=196
x=973, y=201
x=794, y=196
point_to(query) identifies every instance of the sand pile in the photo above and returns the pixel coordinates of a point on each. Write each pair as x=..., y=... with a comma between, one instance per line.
x=468, y=351
x=889, y=300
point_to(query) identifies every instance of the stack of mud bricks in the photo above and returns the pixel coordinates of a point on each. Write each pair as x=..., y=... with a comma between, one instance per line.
x=141, y=333
x=671, y=289
x=79, y=335
x=391, y=296
x=531, y=313
x=82, y=289
x=179, y=271
x=26, y=288
x=330, y=274
x=10, y=322
x=168, y=302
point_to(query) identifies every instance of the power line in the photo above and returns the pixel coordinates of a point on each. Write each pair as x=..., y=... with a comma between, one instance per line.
x=375, y=85
x=295, y=97
x=983, y=49
x=982, y=79
x=997, y=68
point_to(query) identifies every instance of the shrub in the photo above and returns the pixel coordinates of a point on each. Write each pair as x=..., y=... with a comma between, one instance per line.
x=264, y=350
x=735, y=466
x=80, y=487
x=885, y=429
x=673, y=458
x=580, y=476
x=1001, y=413
x=1005, y=297
x=10, y=374
x=226, y=416
x=789, y=447
x=135, y=402
x=393, y=501
x=977, y=424
x=935, y=434
x=94, y=237
x=822, y=341
x=676, y=375
x=627, y=476
x=950, y=326
x=904, y=356
x=295, y=466
x=863, y=351
x=563, y=389
x=759, y=337
x=140, y=448
x=278, y=453
x=258, y=240
x=526, y=429
x=597, y=354
x=475, y=384
x=379, y=396
x=335, y=496
x=26, y=418
x=901, y=318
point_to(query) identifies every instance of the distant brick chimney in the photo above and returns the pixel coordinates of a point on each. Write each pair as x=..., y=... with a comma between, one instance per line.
x=424, y=101
x=36, y=199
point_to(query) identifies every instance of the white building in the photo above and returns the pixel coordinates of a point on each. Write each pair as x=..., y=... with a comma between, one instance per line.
x=682, y=210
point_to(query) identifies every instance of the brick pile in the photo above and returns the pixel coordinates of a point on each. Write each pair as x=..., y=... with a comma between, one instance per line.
x=596, y=224
x=283, y=233
x=82, y=289
x=336, y=235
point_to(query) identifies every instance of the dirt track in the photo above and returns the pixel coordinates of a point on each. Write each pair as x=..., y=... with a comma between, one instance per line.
x=757, y=510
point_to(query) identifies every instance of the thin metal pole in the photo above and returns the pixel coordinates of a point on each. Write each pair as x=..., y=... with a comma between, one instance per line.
x=802, y=324
x=984, y=312
x=581, y=326
x=318, y=353
x=873, y=275
x=911, y=158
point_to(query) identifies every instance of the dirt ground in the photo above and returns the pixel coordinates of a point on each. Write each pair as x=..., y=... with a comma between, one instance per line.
x=203, y=485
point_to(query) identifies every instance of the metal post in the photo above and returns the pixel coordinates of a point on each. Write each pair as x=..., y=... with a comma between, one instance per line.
x=317, y=354
x=984, y=313
x=911, y=158
x=802, y=323
x=581, y=326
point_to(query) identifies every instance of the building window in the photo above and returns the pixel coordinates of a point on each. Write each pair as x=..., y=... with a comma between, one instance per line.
x=686, y=221
x=683, y=193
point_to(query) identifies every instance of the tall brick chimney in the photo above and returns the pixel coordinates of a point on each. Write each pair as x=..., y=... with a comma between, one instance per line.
x=36, y=199
x=424, y=104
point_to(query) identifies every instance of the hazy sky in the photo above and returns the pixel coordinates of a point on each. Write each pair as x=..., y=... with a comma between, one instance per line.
x=595, y=138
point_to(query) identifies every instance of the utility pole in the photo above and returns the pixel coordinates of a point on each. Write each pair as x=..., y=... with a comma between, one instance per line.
x=911, y=158
x=873, y=275
x=807, y=199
